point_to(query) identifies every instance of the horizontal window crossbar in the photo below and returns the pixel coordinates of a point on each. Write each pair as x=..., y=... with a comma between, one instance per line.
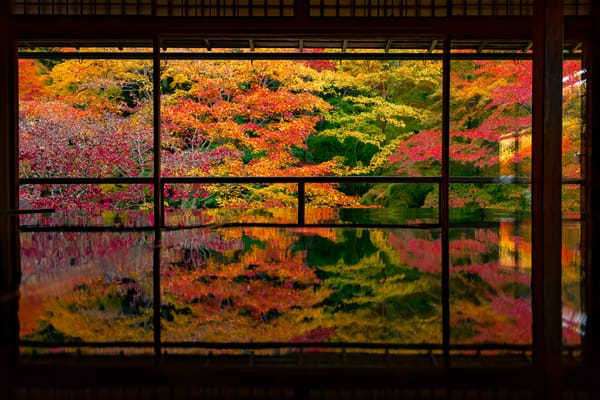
x=28, y=211
x=91, y=229
x=84, y=181
x=281, y=345
x=290, y=179
x=490, y=179
x=297, y=225
x=280, y=56
x=301, y=179
x=85, y=229
x=232, y=179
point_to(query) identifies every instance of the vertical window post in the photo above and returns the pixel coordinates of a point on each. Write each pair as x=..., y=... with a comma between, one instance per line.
x=158, y=198
x=10, y=274
x=548, y=32
x=444, y=203
x=592, y=183
x=301, y=203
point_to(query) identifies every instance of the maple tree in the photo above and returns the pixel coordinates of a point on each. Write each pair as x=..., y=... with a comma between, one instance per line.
x=93, y=118
x=84, y=120
x=490, y=123
x=239, y=118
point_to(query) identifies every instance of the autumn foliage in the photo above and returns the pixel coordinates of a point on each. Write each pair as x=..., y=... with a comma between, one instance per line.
x=94, y=118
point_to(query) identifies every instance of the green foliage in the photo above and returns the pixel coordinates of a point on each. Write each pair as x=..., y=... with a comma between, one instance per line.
x=399, y=195
x=354, y=247
x=419, y=304
x=49, y=333
x=350, y=149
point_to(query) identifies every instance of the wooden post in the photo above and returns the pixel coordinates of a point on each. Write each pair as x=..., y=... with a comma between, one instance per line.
x=158, y=194
x=548, y=37
x=301, y=203
x=9, y=240
x=592, y=178
x=445, y=203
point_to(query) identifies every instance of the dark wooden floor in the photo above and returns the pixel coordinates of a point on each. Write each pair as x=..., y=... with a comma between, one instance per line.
x=306, y=376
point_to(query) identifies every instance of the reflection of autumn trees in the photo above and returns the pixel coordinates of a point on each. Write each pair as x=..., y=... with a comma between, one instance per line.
x=490, y=302
x=376, y=296
x=257, y=289
x=266, y=284
x=86, y=286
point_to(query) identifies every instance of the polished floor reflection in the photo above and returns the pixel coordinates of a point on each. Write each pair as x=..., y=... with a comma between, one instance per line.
x=287, y=285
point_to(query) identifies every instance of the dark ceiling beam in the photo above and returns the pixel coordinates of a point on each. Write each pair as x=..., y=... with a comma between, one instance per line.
x=40, y=27
x=35, y=27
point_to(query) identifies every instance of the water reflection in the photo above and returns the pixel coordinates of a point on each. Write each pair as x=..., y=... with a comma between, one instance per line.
x=86, y=287
x=276, y=284
x=313, y=215
x=314, y=284
x=490, y=283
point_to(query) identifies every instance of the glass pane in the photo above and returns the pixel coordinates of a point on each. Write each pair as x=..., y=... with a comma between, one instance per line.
x=81, y=287
x=301, y=117
x=202, y=204
x=372, y=203
x=490, y=283
x=85, y=118
x=484, y=202
x=490, y=264
x=574, y=315
x=574, y=88
x=299, y=285
x=111, y=205
x=490, y=118
x=571, y=201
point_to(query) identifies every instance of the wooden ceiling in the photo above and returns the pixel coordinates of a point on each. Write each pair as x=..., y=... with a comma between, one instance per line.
x=388, y=26
x=288, y=8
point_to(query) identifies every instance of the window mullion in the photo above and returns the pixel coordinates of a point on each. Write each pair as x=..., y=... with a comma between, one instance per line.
x=444, y=212
x=158, y=203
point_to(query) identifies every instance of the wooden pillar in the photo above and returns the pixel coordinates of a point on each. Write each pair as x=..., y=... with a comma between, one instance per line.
x=445, y=203
x=548, y=37
x=158, y=193
x=9, y=251
x=592, y=168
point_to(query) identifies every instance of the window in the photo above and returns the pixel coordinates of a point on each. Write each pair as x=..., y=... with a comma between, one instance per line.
x=275, y=200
